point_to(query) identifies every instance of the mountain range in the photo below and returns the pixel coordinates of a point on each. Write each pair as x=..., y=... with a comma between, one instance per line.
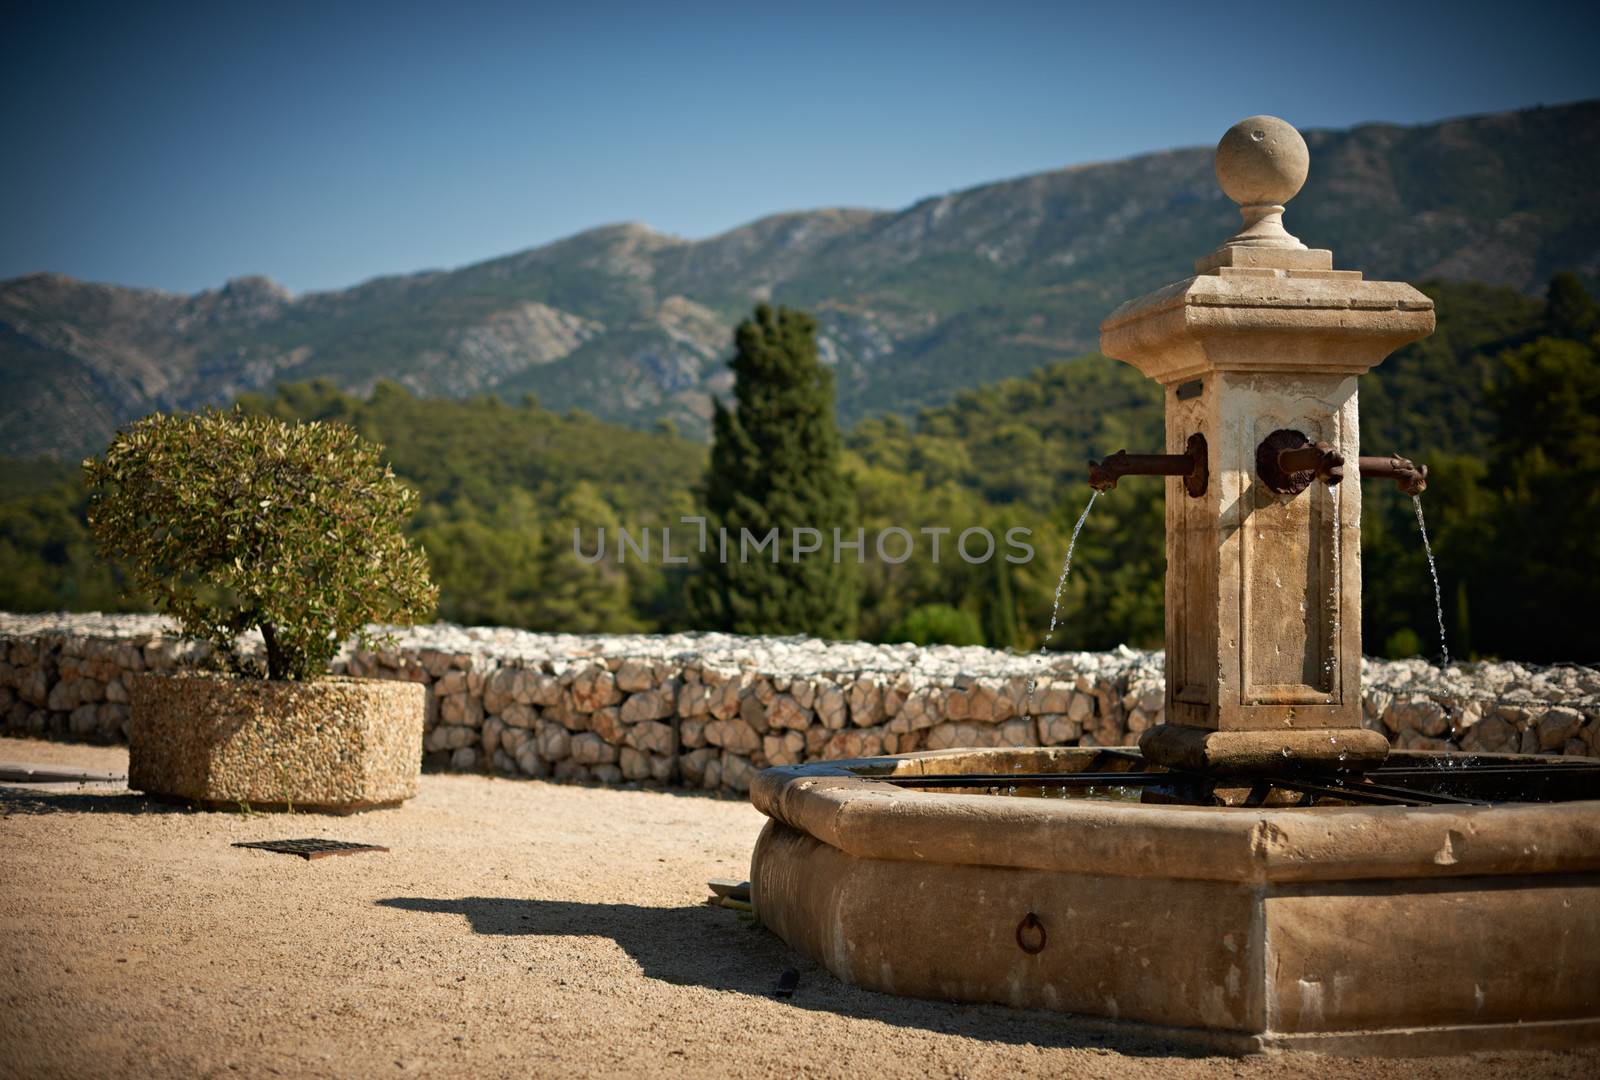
x=913, y=305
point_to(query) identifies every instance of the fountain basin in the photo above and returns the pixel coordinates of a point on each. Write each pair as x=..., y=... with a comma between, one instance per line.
x=1343, y=929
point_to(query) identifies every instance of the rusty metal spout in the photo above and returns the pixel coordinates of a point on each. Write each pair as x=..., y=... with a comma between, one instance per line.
x=1319, y=458
x=1288, y=462
x=1408, y=476
x=1192, y=465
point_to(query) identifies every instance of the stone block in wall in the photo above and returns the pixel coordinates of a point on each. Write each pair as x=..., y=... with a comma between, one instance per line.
x=1050, y=697
x=957, y=704
x=1528, y=741
x=1493, y=734
x=866, y=702
x=787, y=712
x=114, y=720
x=1515, y=715
x=589, y=748
x=1464, y=716
x=84, y=720
x=498, y=690
x=923, y=709
x=734, y=735
x=34, y=686
x=692, y=733
x=461, y=709
x=1411, y=739
x=594, y=688
x=1557, y=725
x=647, y=705
x=753, y=712
x=737, y=772
x=1018, y=731
x=1422, y=715
x=952, y=734
x=634, y=764
x=607, y=723
x=831, y=707
x=816, y=741
x=518, y=715
x=651, y=736
x=491, y=735
x=635, y=676
x=529, y=763
x=694, y=699
x=692, y=765
x=785, y=748
x=663, y=769
x=1109, y=730
x=464, y=759
x=894, y=696
x=536, y=688
x=725, y=701
x=853, y=743
x=554, y=740
x=987, y=704
x=1056, y=729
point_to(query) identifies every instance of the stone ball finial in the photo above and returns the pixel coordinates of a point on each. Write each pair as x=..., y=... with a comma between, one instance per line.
x=1261, y=163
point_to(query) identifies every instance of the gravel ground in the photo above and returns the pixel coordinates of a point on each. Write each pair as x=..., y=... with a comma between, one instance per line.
x=516, y=928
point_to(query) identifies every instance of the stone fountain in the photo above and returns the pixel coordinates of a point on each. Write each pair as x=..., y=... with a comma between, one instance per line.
x=1263, y=872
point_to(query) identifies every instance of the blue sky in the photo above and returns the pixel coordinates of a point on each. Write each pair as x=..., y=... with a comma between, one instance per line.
x=176, y=145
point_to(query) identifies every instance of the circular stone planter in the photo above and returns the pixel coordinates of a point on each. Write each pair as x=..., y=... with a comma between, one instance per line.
x=1344, y=929
x=332, y=744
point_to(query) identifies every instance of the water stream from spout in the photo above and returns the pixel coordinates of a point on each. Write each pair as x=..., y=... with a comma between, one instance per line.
x=1061, y=584
x=1433, y=571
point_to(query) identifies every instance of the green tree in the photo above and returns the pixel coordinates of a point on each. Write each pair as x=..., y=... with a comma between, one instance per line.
x=1570, y=311
x=775, y=465
x=1534, y=596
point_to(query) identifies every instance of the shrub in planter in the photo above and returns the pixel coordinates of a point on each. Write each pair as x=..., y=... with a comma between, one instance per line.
x=232, y=523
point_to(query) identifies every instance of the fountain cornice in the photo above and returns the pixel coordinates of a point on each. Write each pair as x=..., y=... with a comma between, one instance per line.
x=1261, y=319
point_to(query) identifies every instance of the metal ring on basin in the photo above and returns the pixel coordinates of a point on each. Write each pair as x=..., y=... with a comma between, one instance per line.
x=1352, y=929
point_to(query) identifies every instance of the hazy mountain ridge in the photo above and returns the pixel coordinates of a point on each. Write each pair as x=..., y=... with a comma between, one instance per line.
x=953, y=291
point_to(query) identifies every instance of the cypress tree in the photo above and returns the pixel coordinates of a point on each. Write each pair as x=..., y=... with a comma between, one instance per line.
x=775, y=464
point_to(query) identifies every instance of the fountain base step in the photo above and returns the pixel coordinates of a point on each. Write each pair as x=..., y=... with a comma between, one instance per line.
x=1338, y=929
x=1263, y=753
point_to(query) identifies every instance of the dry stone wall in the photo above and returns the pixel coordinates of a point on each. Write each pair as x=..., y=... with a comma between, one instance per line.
x=708, y=710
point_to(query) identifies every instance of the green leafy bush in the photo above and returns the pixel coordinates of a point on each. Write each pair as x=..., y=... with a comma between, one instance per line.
x=937, y=624
x=230, y=522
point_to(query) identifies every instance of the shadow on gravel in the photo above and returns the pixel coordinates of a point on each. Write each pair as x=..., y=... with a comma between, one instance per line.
x=34, y=801
x=712, y=948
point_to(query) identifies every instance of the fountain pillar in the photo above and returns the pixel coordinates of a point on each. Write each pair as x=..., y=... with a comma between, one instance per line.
x=1258, y=354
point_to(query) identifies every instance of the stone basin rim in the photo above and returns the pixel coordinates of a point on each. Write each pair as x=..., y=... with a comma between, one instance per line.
x=840, y=804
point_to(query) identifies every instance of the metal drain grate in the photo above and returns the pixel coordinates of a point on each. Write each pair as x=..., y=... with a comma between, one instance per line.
x=311, y=848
